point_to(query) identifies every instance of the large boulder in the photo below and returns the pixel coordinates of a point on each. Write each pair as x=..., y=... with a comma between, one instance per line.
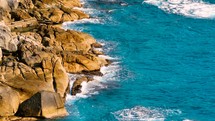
x=56, y=15
x=24, y=25
x=76, y=63
x=4, y=15
x=9, y=101
x=9, y=4
x=74, y=41
x=25, y=80
x=13, y=4
x=43, y=104
x=6, y=40
x=37, y=70
x=4, y=4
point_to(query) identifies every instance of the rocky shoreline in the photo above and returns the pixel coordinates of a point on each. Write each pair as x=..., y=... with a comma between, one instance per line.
x=37, y=55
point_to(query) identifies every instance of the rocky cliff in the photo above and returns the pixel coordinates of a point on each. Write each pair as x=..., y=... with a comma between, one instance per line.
x=36, y=55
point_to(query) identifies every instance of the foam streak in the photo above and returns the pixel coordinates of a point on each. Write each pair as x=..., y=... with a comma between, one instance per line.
x=189, y=8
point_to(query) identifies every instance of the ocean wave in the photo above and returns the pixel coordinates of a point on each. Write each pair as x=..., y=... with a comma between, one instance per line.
x=89, y=11
x=82, y=21
x=189, y=8
x=144, y=114
x=187, y=120
x=99, y=82
x=74, y=25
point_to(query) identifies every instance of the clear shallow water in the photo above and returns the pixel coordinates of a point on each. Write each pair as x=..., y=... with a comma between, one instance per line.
x=165, y=61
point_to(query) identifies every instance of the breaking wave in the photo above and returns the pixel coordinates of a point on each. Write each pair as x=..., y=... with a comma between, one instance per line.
x=110, y=74
x=189, y=8
x=144, y=114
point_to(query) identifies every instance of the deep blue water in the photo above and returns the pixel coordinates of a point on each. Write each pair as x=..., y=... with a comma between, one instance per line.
x=166, y=60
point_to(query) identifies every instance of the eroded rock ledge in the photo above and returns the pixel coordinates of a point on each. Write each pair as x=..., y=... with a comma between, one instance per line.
x=36, y=54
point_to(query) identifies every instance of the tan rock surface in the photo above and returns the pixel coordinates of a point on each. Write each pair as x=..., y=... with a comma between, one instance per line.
x=76, y=88
x=43, y=104
x=37, y=55
x=6, y=41
x=9, y=101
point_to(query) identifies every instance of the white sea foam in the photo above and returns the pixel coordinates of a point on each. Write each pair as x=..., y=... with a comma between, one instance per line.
x=83, y=2
x=108, y=57
x=82, y=21
x=74, y=25
x=98, y=83
x=109, y=72
x=144, y=114
x=90, y=11
x=187, y=120
x=189, y=8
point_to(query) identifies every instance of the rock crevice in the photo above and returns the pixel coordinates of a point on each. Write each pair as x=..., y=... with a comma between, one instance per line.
x=36, y=55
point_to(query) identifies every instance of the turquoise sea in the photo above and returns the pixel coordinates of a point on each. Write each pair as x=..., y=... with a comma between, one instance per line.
x=163, y=54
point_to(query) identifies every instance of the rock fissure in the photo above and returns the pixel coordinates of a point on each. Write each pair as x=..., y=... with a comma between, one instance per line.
x=37, y=55
x=21, y=72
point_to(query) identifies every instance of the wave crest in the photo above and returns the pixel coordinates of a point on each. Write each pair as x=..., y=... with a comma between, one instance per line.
x=189, y=8
x=144, y=114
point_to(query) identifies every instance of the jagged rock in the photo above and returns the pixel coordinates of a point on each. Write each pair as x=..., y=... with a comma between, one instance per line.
x=26, y=4
x=9, y=101
x=74, y=41
x=69, y=40
x=5, y=15
x=73, y=3
x=75, y=63
x=76, y=88
x=24, y=79
x=33, y=37
x=1, y=54
x=74, y=48
x=15, y=118
x=24, y=25
x=37, y=56
x=97, y=45
x=60, y=77
x=43, y=104
x=56, y=15
x=81, y=14
x=95, y=73
x=37, y=71
x=6, y=41
x=20, y=14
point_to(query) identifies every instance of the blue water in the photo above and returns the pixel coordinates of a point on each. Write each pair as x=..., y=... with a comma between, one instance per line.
x=166, y=60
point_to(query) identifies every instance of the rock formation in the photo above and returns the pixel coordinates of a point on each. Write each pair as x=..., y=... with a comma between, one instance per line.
x=36, y=55
x=43, y=104
x=77, y=85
